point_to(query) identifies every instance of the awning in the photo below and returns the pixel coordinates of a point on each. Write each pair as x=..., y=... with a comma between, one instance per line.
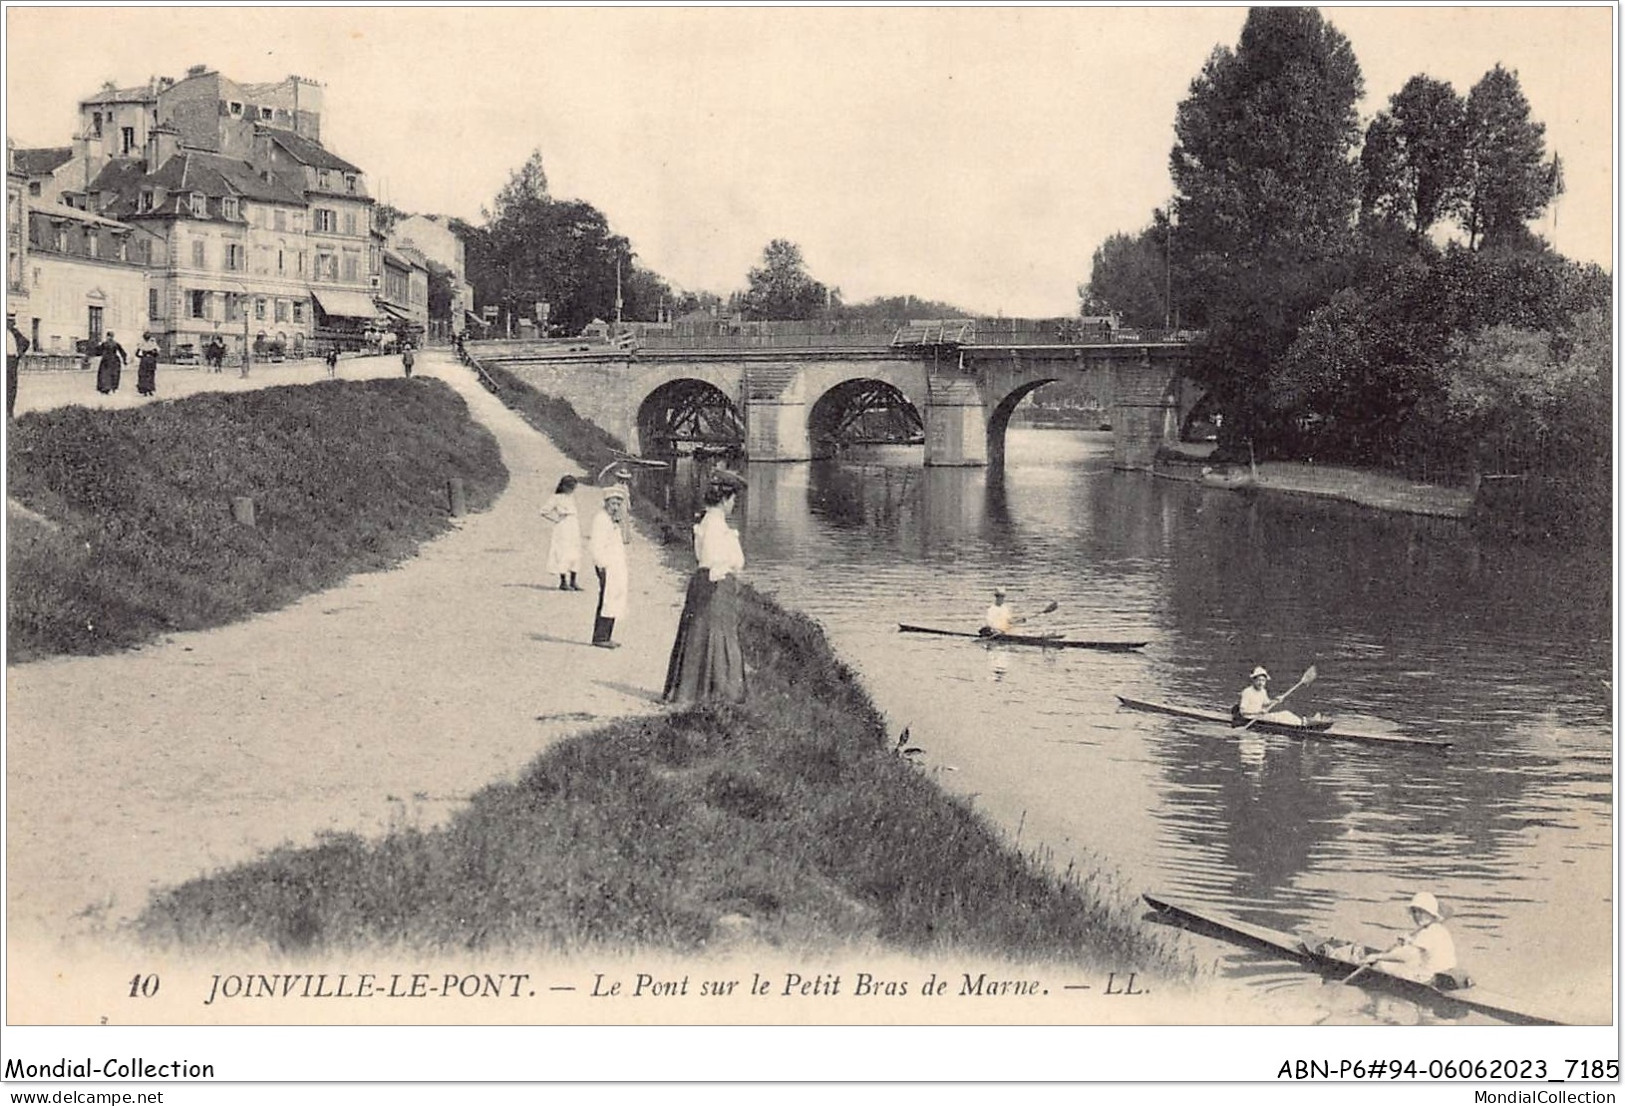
x=350, y=305
x=395, y=312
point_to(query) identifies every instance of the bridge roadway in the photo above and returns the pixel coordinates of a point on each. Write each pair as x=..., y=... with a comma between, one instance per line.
x=964, y=394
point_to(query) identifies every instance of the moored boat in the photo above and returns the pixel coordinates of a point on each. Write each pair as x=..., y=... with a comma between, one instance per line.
x=1046, y=641
x=1342, y=960
x=1327, y=731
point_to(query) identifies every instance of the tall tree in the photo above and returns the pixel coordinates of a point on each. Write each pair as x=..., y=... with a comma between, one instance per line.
x=1414, y=161
x=1267, y=190
x=1509, y=182
x=527, y=184
x=781, y=287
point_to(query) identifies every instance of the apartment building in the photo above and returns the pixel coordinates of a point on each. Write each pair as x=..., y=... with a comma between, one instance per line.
x=84, y=278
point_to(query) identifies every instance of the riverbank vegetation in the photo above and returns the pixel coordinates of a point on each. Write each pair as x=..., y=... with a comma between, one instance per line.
x=121, y=526
x=1376, y=297
x=784, y=822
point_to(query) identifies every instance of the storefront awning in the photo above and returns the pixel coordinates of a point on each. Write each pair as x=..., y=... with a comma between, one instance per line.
x=350, y=305
x=395, y=312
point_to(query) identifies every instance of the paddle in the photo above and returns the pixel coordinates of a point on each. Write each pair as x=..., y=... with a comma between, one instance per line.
x=1350, y=977
x=1308, y=677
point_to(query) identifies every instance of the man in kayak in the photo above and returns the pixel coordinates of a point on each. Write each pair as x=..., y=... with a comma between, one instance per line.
x=1255, y=702
x=998, y=619
x=1426, y=951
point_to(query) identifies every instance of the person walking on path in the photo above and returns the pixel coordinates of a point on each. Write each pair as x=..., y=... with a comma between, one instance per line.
x=215, y=353
x=607, y=545
x=408, y=357
x=16, y=346
x=332, y=362
x=706, y=660
x=564, y=551
x=111, y=364
x=146, y=361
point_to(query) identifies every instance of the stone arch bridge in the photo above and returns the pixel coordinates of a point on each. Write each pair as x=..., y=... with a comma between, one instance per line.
x=784, y=403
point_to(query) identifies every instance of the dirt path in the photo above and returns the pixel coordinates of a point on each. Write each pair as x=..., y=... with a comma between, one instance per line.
x=388, y=699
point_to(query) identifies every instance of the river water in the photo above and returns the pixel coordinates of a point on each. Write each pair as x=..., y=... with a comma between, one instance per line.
x=1414, y=628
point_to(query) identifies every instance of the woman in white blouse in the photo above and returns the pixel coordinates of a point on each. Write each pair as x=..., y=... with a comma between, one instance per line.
x=706, y=661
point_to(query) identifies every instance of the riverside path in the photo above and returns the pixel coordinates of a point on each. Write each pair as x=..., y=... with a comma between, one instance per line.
x=384, y=701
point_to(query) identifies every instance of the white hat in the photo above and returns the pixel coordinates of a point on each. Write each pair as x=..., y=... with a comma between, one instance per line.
x=616, y=491
x=1260, y=671
x=1425, y=902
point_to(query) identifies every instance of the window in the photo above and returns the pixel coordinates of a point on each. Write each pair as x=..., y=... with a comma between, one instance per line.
x=349, y=183
x=228, y=207
x=235, y=107
x=200, y=305
x=281, y=311
x=322, y=179
x=127, y=139
x=300, y=263
x=280, y=267
x=234, y=257
x=352, y=268
x=96, y=122
x=327, y=221
x=152, y=303
x=234, y=307
x=265, y=113
x=93, y=244
x=298, y=311
x=349, y=222
x=33, y=188
x=61, y=239
x=198, y=261
x=281, y=219
x=200, y=205
x=259, y=307
x=123, y=248
x=146, y=199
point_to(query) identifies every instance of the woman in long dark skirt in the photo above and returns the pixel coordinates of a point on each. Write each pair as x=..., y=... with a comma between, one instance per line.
x=706, y=661
x=146, y=361
x=110, y=364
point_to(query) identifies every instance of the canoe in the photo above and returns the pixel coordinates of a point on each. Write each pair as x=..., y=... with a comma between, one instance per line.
x=1335, y=959
x=1047, y=641
x=1328, y=731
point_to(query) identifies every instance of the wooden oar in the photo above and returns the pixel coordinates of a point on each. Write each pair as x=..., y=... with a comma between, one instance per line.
x=1050, y=609
x=1350, y=977
x=1308, y=677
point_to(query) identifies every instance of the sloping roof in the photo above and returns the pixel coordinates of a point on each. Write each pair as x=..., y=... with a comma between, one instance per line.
x=189, y=171
x=43, y=159
x=63, y=211
x=141, y=94
x=306, y=152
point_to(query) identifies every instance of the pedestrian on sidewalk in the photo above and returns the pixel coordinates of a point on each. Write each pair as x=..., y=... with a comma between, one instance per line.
x=111, y=364
x=215, y=353
x=564, y=551
x=333, y=361
x=608, y=548
x=407, y=358
x=146, y=366
x=16, y=346
x=706, y=661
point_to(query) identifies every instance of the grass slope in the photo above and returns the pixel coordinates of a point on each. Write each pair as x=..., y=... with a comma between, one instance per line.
x=786, y=820
x=120, y=521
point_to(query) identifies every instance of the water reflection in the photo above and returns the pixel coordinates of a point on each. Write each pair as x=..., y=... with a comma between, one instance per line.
x=1413, y=626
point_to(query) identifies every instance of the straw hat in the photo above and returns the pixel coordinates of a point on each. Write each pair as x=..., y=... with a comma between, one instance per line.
x=1259, y=671
x=1427, y=904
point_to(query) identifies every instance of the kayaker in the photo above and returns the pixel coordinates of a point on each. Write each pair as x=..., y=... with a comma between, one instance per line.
x=1426, y=951
x=1255, y=701
x=998, y=619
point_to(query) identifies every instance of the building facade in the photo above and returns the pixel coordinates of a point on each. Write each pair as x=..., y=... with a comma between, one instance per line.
x=432, y=236
x=85, y=279
x=405, y=297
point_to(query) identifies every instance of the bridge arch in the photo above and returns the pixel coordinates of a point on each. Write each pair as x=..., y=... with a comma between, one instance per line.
x=862, y=410
x=998, y=420
x=687, y=413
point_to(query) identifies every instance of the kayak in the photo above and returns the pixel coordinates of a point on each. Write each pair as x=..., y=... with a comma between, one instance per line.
x=1048, y=641
x=1324, y=730
x=1341, y=959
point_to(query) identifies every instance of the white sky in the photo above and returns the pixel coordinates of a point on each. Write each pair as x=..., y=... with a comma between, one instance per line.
x=973, y=155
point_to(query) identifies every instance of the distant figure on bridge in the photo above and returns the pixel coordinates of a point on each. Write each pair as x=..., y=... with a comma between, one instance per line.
x=564, y=552
x=608, y=548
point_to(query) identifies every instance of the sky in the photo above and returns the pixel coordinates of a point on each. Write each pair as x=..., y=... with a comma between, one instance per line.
x=976, y=156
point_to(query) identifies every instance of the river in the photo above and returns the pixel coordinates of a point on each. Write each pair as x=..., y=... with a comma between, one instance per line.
x=1414, y=627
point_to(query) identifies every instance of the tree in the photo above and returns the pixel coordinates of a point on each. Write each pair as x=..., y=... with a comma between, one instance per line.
x=1267, y=188
x=385, y=216
x=1414, y=162
x=1508, y=180
x=526, y=185
x=1129, y=277
x=781, y=288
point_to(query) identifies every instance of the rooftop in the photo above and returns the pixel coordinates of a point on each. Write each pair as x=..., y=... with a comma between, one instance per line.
x=42, y=159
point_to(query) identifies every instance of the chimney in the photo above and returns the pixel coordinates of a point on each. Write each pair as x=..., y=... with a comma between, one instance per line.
x=196, y=71
x=163, y=143
x=91, y=157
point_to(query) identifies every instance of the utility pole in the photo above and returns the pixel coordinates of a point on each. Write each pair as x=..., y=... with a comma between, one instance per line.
x=1168, y=270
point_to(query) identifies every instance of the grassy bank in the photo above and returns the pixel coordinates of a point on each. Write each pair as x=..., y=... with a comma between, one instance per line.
x=785, y=821
x=126, y=533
